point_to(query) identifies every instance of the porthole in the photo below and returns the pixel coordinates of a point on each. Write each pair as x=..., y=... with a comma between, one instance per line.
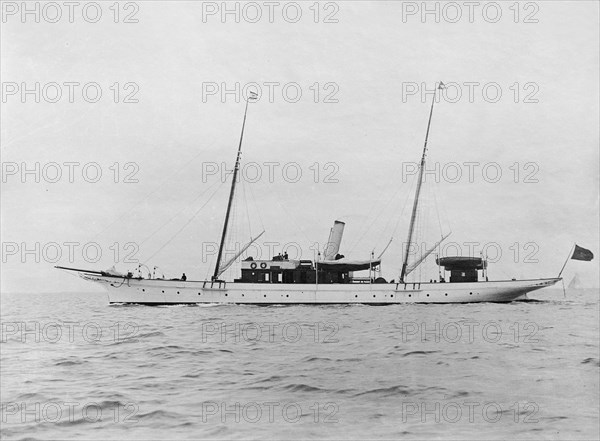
x=470, y=293
x=177, y=292
x=427, y=295
x=446, y=294
x=225, y=295
x=392, y=295
x=199, y=293
x=373, y=295
x=265, y=295
x=356, y=295
x=163, y=291
x=287, y=295
x=143, y=290
x=410, y=295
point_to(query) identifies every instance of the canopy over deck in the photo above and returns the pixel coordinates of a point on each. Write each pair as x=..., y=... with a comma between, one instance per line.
x=348, y=264
x=456, y=263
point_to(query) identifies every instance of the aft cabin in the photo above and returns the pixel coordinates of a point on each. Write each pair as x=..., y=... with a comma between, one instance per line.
x=463, y=269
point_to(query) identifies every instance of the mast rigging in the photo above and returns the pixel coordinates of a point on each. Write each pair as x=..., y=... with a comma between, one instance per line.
x=216, y=274
x=418, y=190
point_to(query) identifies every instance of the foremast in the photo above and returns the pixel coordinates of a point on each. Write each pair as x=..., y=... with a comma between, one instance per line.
x=418, y=190
x=216, y=274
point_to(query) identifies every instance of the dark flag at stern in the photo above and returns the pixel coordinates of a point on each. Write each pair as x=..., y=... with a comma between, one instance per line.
x=580, y=253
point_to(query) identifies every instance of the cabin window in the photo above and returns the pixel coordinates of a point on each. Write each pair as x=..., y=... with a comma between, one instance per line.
x=276, y=277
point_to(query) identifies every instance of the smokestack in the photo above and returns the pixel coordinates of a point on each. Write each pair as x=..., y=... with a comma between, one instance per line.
x=335, y=239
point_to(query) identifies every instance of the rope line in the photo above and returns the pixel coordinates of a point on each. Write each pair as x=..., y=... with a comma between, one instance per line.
x=147, y=196
x=186, y=224
x=178, y=213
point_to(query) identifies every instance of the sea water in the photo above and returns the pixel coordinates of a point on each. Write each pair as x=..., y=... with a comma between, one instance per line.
x=75, y=367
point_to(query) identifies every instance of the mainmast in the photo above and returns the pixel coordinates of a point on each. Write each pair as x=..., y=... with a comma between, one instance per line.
x=215, y=276
x=418, y=191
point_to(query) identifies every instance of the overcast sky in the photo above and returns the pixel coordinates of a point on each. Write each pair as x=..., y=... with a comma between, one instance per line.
x=365, y=65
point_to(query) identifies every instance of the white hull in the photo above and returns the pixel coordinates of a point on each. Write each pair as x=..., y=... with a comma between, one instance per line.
x=166, y=292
